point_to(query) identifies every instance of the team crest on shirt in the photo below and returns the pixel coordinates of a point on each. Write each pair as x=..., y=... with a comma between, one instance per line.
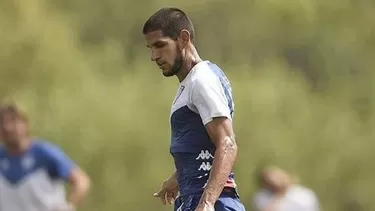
x=182, y=88
x=28, y=162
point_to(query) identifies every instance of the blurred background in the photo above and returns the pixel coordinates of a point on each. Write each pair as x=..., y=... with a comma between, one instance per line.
x=301, y=73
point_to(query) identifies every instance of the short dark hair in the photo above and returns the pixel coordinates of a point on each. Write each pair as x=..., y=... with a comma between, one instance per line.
x=170, y=21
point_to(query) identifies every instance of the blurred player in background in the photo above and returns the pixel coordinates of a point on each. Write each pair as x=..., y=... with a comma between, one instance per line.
x=203, y=144
x=279, y=192
x=33, y=172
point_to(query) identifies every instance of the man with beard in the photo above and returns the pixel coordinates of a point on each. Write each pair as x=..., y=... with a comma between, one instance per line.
x=33, y=172
x=202, y=140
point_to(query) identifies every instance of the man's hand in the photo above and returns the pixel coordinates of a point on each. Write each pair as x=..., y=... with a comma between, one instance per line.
x=205, y=207
x=169, y=190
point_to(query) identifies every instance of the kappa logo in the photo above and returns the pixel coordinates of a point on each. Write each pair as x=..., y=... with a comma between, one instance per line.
x=205, y=166
x=204, y=155
x=182, y=88
x=28, y=162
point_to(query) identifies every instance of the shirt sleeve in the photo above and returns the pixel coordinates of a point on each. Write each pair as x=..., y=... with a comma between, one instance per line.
x=208, y=97
x=315, y=206
x=61, y=165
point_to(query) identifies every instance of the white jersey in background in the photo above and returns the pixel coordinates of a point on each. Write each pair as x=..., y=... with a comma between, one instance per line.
x=34, y=180
x=297, y=198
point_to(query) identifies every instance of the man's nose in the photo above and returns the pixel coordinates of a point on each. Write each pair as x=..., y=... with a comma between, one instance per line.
x=154, y=55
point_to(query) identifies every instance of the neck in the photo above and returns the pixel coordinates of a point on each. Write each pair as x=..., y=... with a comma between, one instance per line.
x=191, y=58
x=19, y=148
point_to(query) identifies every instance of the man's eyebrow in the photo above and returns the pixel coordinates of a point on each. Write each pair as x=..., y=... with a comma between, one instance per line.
x=149, y=45
x=152, y=44
x=155, y=43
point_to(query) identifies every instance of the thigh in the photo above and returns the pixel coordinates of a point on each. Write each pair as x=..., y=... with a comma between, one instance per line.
x=229, y=203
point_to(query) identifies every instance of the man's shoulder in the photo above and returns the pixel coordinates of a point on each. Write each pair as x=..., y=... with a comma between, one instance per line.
x=44, y=147
x=204, y=69
x=262, y=198
x=205, y=72
x=302, y=189
x=262, y=193
x=301, y=193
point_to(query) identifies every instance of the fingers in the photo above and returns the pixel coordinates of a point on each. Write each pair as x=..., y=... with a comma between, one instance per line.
x=161, y=195
x=166, y=197
x=157, y=194
x=170, y=197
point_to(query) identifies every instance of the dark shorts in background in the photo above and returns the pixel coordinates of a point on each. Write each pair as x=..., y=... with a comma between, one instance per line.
x=228, y=201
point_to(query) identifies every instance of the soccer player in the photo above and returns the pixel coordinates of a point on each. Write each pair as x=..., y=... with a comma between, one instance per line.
x=202, y=140
x=280, y=192
x=33, y=172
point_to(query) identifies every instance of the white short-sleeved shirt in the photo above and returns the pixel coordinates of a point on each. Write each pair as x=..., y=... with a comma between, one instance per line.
x=204, y=94
x=206, y=91
x=34, y=181
x=297, y=198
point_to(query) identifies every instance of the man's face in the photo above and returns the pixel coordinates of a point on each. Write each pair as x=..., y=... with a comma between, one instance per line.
x=12, y=129
x=165, y=52
x=275, y=180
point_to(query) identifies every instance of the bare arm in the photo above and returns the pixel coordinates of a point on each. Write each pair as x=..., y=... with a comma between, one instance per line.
x=221, y=133
x=211, y=97
x=80, y=185
x=62, y=167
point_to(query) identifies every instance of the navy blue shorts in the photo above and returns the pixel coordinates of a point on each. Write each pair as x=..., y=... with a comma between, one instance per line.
x=228, y=201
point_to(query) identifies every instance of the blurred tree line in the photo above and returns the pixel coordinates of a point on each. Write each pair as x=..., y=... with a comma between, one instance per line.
x=301, y=74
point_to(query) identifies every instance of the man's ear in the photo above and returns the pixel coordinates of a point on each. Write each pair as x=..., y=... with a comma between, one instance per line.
x=184, y=38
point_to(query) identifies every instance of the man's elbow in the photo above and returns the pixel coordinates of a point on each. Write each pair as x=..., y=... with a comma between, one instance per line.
x=234, y=149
